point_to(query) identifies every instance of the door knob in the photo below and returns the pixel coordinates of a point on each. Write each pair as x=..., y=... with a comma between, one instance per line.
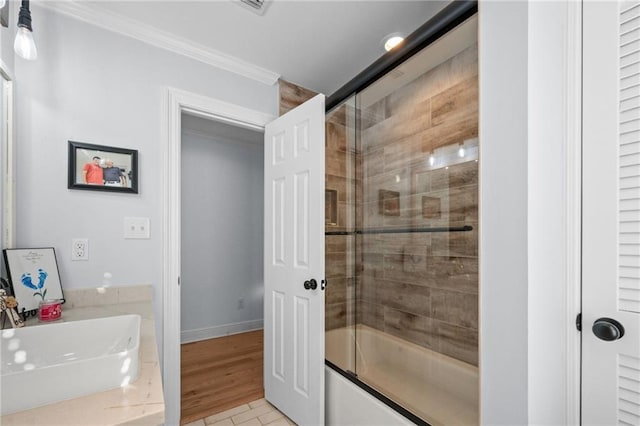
x=607, y=329
x=310, y=284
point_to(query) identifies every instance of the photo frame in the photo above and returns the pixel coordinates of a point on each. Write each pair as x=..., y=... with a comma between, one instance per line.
x=102, y=168
x=33, y=276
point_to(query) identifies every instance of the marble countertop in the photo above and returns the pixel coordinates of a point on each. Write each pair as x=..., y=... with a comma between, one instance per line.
x=139, y=403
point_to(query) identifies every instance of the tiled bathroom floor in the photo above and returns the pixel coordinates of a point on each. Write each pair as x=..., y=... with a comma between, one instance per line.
x=256, y=413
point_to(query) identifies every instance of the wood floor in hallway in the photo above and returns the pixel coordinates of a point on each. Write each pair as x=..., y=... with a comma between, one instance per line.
x=220, y=374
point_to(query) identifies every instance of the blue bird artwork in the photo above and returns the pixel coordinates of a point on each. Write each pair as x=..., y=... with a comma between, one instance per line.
x=39, y=287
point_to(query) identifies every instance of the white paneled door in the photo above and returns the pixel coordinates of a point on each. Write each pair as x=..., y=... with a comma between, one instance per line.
x=611, y=213
x=294, y=263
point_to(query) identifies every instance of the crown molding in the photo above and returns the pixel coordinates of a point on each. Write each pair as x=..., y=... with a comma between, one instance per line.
x=110, y=21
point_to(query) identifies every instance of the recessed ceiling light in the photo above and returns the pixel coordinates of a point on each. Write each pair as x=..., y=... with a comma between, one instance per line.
x=392, y=40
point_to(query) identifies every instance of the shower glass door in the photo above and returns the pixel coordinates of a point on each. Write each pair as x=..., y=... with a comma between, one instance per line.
x=340, y=235
x=402, y=233
x=401, y=222
x=417, y=226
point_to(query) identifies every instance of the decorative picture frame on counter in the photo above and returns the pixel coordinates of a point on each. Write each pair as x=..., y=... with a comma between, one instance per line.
x=102, y=168
x=33, y=277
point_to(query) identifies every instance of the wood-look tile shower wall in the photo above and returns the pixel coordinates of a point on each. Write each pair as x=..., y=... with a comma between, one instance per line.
x=422, y=287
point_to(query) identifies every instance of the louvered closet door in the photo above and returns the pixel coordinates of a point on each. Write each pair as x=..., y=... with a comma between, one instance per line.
x=611, y=213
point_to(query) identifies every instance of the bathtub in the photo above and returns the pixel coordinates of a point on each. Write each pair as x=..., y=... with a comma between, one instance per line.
x=437, y=388
x=43, y=364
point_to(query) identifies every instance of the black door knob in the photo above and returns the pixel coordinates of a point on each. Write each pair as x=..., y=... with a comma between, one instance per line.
x=607, y=329
x=311, y=284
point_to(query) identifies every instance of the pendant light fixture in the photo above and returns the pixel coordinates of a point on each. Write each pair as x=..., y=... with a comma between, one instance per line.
x=24, y=46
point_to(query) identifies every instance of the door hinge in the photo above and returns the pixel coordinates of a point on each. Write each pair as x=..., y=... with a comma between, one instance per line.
x=579, y=322
x=178, y=281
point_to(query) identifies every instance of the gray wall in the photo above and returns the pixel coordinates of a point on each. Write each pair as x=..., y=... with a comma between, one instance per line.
x=91, y=85
x=7, y=36
x=222, y=230
x=503, y=212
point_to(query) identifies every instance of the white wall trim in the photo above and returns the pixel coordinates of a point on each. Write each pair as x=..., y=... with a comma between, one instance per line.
x=176, y=102
x=94, y=15
x=5, y=72
x=189, y=336
x=8, y=155
x=554, y=212
x=573, y=208
x=204, y=107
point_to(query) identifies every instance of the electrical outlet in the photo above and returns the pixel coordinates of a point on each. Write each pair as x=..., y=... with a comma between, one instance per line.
x=80, y=249
x=241, y=303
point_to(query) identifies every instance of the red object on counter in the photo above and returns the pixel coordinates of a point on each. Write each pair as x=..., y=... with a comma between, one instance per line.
x=50, y=310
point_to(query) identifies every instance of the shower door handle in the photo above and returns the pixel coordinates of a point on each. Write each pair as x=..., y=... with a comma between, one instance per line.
x=311, y=284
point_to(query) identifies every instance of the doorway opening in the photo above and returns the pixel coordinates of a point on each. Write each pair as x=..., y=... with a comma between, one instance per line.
x=221, y=313
x=176, y=103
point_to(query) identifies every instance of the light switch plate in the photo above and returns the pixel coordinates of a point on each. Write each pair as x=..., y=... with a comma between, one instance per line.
x=136, y=228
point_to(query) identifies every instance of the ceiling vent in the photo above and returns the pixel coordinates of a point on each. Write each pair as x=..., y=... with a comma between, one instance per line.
x=256, y=6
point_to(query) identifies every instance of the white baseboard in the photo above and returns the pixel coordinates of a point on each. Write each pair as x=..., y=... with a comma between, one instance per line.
x=188, y=336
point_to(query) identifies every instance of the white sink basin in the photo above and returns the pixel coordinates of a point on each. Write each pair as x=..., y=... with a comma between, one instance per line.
x=43, y=364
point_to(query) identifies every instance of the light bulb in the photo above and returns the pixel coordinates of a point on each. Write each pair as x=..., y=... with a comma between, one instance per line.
x=461, y=151
x=432, y=160
x=24, y=46
x=392, y=42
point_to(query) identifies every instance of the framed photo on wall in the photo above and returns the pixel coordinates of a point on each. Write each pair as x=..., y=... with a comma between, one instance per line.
x=102, y=168
x=33, y=276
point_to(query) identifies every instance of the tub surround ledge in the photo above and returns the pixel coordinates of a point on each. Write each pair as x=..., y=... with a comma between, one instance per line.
x=139, y=403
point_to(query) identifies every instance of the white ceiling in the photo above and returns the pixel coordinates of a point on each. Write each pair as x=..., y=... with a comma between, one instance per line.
x=317, y=44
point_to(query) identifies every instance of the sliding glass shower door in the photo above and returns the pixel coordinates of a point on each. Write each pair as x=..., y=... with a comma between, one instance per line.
x=340, y=240
x=402, y=317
